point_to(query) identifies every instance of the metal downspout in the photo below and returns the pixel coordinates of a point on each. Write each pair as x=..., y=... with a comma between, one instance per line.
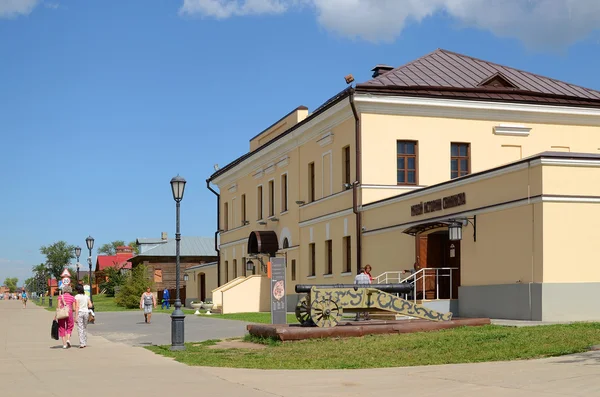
x=356, y=184
x=217, y=232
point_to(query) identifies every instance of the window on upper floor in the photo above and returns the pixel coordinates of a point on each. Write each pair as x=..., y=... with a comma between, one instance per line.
x=346, y=166
x=406, y=162
x=284, y=193
x=259, y=203
x=271, y=198
x=460, y=159
x=226, y=216
x=243, y=204
x=311, y=182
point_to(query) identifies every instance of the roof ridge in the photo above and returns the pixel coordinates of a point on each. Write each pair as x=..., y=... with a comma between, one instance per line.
x=407, y=64
x=513, y=68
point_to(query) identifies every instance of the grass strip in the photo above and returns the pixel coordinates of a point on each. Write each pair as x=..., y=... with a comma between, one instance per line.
x=458, y=345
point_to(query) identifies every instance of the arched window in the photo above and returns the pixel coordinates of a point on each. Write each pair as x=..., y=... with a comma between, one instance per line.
x=286, y=243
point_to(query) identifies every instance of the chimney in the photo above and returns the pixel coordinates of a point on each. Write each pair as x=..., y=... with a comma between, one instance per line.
x=163, y=236
x=381, y=69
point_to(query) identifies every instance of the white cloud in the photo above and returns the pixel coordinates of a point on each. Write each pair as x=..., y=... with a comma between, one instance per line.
x=553, y=23
x=13, y=8
x=228, y=8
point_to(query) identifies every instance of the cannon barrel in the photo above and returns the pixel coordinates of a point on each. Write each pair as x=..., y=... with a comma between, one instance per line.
x=402, y=288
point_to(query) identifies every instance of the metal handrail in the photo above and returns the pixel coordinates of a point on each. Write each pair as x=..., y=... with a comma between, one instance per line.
x=419, y=276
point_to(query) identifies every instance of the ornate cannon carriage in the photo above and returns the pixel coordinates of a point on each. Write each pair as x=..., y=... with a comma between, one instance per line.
x=324, y=305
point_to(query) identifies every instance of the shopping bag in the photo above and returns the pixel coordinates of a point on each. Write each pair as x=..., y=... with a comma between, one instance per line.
x=54, y=330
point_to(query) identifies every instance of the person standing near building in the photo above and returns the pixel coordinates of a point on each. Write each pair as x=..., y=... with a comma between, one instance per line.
x=147, y=302
x=24, y=297
x=81, y=308
x=368, y=269
x=166, y=299
x=362, y=278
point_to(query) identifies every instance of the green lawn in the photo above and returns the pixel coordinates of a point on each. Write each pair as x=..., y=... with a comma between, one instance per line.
x=262, y=317
x=459, y=345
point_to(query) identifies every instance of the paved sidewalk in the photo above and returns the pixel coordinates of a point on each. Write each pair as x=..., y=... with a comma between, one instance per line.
x=32, y=364
x=129, y=327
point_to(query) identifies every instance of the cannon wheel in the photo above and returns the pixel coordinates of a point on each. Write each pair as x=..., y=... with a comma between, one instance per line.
x=303, y=312
x=325, y=313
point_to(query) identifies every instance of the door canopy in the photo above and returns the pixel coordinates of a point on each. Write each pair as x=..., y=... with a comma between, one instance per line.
x=263, y=242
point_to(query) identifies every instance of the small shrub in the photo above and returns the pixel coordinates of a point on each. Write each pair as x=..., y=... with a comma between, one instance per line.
x=135, y=284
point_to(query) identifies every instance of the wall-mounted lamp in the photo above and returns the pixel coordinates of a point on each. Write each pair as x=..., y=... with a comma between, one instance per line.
x=186, y=277
x=455, y=228
x=250, y=265
x=300, y=202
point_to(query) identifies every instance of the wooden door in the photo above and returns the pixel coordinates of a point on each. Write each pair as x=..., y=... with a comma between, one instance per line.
x=202, y=285
x=427, y=255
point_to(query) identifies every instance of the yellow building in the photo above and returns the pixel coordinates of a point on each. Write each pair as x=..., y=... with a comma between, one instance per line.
x=380, y=172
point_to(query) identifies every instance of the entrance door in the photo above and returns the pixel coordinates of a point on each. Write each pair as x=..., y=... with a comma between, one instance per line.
x=435, y=251
x=202, y=287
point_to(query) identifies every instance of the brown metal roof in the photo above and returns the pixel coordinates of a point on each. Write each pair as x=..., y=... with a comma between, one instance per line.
x=437, y=72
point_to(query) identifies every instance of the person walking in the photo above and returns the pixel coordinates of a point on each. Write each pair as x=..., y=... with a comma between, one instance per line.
x=65, y=325
x=147, y=302
x=82, y=311
x=24, y=298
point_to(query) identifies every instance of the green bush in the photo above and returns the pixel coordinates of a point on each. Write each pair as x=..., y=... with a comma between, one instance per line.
x=134, y=286
x=116, y=278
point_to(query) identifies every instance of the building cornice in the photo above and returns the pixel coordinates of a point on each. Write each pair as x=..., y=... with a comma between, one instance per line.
x=321, y=124
x=466, y=109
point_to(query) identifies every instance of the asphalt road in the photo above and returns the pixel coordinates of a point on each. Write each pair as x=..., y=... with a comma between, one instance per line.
x=129, y=328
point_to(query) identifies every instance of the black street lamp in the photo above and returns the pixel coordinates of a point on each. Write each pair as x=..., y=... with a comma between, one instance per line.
x=90, y=244
x=177, y=317
x=78, y=254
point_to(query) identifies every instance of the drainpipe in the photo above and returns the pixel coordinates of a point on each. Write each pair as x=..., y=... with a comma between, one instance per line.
x=217, y=232
x=356, y=184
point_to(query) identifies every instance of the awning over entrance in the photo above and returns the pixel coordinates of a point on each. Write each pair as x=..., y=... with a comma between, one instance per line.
x=263, y=242
x=423, y=227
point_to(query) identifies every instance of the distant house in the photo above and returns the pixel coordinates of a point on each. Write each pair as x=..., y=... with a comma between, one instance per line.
x=145, y=244
x=160, y=261
x=53, y=286
x=119, y=261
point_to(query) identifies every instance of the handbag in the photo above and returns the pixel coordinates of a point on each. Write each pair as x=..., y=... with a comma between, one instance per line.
x=62, y=312
x=54, y=330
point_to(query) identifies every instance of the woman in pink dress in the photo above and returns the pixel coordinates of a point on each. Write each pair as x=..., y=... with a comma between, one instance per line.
x=65, y=325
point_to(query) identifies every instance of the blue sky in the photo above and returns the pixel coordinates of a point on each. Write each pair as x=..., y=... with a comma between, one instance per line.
x=102, y=103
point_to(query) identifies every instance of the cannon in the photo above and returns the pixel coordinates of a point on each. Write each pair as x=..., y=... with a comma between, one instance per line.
x=324, y=305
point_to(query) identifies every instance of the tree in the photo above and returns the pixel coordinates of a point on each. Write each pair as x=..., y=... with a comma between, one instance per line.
x=110, y=248
x=58, y=256
x=115, y=278
x=134, y=247
x=41, y=276
x=135, y=284
x=11, y=283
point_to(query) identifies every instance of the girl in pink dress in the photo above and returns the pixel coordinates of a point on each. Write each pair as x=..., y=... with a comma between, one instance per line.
x=65, y=325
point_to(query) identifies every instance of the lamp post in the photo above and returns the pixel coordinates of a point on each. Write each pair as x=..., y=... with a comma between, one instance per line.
x=177, y=317
x=90, y=245
x=78, y=254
